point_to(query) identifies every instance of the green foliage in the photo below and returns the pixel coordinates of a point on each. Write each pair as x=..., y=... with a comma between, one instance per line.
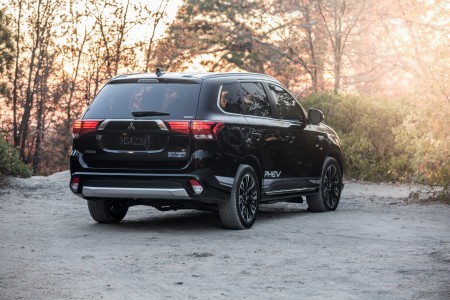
x=424, y=134
x=6, y=42
x=10, y=163
x=385, y=139
x=366, y=127
x=231, y=30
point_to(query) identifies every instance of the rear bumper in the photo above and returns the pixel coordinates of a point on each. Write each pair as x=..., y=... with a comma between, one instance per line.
x=145, y=186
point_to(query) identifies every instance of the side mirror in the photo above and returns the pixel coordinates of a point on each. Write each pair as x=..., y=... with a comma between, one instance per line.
x=315, y=116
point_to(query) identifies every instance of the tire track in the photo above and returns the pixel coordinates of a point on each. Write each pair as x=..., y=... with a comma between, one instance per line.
x=133, y=283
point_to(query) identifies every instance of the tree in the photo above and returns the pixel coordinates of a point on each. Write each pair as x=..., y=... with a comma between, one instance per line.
x=78, y=32
x=7, y=52
x=341, y=18
x=297, y=36
x=6, y=42
x=156, y=17
x=113, y=21
x=216, y=28
x=41, y=32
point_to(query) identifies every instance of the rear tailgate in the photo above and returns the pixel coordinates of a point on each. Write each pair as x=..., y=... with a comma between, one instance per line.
x=138, y=126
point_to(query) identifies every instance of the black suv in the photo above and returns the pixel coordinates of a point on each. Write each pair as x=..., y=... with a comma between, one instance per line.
x=215, y=141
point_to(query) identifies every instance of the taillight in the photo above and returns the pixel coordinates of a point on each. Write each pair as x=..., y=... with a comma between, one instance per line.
x=84, y=126
x=206, y=129
x=179, y=126
x=200, y=130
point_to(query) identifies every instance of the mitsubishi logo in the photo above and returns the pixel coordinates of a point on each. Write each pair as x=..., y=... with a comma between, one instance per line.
x=131, y=127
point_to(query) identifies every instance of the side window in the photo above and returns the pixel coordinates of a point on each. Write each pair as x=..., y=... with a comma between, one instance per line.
x=230, y=98
x=255, y=100
x=287, y=106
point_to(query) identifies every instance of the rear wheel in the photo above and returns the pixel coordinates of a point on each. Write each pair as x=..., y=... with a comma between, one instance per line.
x=107, y=210
x=330, y=188
x=240, y=211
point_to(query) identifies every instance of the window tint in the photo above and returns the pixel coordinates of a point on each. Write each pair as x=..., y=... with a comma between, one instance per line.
x=287, y=106
x=118, y=100
x=255, y=100
x=230, y=98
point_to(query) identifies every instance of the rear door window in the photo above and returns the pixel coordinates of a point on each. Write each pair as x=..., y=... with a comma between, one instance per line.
x=255, y=100
x=119, y=100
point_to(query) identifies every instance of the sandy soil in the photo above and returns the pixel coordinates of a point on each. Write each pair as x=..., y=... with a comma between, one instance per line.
x=375, y=246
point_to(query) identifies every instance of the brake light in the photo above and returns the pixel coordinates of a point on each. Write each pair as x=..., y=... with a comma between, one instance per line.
x=201, y=130
x=179, y=126
x=206, y=129
x=84, y=126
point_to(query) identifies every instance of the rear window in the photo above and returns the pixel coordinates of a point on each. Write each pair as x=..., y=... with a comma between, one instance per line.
x=119, y=100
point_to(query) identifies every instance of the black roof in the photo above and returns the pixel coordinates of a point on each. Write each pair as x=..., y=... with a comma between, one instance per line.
x=189, y=76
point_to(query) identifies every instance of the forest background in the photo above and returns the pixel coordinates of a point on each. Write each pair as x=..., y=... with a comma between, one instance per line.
x=379, y=69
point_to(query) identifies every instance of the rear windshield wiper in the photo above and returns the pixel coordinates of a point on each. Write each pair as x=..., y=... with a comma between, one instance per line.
x=148, y=113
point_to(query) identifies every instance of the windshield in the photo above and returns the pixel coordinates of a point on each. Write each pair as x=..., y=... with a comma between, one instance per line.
x=120, y=100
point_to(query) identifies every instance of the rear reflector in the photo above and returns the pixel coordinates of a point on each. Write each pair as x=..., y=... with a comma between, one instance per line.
x=84, y=126
x=74, y=184
x=201, y=130
x=196, y=186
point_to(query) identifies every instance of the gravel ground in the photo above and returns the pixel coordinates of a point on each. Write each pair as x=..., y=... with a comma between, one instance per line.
x=375, y=246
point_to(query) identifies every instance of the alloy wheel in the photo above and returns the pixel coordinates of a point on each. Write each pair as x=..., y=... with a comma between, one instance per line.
x=331, y=186
x=248, y=197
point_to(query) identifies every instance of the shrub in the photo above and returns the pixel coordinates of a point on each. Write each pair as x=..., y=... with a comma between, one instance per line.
x=367, y=129
x=10, y=163
x=391, y=139
x=424, y=134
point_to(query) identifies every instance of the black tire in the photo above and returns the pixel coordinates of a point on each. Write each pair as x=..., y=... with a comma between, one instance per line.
x=330, y=188
x=107, y=210
x=240, y=211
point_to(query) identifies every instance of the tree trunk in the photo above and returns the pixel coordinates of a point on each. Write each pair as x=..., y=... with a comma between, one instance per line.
x=16, y=77
x=24, y=124
x=337, y=72
x=313, y=72
x=39, y=131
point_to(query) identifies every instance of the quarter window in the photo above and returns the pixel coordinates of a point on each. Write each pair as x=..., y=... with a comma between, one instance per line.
x=230, y=99
x=255, y=100
x=287, y=106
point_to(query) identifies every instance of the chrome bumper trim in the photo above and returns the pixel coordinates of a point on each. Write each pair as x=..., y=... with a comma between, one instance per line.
x=144, y=193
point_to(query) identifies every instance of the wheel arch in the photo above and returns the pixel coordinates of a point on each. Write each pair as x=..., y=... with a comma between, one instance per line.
x=254, y=162
x=338, y=156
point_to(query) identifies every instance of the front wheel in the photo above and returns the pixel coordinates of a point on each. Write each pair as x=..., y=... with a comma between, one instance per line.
x=240, y=211
x=330, y=188
x=107, y=210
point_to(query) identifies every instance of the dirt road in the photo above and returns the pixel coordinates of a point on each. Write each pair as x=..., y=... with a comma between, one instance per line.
x=375, y=246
